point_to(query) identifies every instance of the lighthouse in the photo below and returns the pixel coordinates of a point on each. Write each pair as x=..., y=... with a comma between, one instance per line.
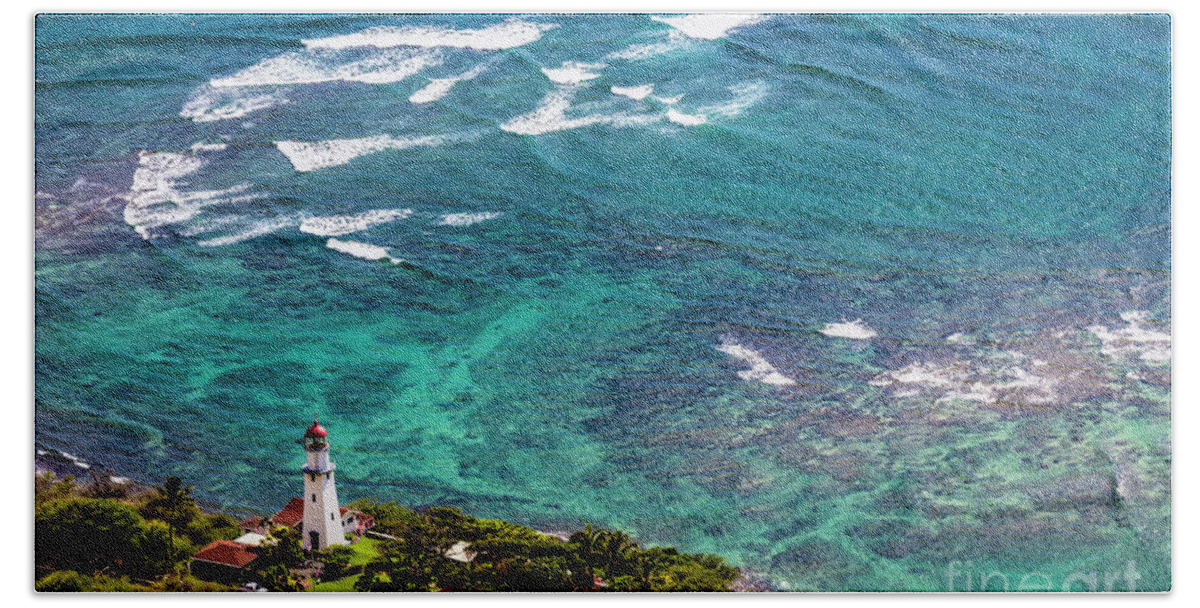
x=322, y=519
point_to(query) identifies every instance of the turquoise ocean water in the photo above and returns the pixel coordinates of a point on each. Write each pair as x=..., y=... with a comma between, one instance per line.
x=858, y=302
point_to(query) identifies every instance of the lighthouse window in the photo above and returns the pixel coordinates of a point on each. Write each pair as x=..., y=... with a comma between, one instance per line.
x=314, y=497
x=331, y=518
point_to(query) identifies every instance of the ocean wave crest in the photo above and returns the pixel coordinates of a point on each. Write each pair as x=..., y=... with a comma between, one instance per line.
x=364, y=251
x=551, y=116
x=440, y=87
x=311, y=67
x=466, y=219
x=157, y=196
x=506, y=35
x=209, y=104
x=338, y=225
x=573, y=72
x=709, y=26
x=310, y=156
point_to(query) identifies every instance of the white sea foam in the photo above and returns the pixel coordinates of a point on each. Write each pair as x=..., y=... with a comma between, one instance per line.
x=255, y=229
x=854, y=330
x=760, y=369
x=636, y=93
x=1134, y=339
x=745, y=95
x=466, y=219
x=634, y=52
x=365, y=251
x=709, y=26
x=506, y=35
x=76, y=460
x=573, y=72
x=309, y=156
x=435, y=90
x=338, y=225
x=210, y=104
x=206, y=147
x=439, y=87
x=157, y=198
x=687, y=120
x=309, y=67
x=204, y=225
x=551, y=116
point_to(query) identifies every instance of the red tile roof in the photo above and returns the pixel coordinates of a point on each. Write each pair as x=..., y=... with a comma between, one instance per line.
x=226, y=552
x=366, y=520
x=251, y=522
x=292, y=514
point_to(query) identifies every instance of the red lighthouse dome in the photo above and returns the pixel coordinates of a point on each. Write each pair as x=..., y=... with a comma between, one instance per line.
x=316, y=430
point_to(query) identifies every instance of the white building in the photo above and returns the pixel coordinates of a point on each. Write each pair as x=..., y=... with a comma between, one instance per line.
x=323, y=524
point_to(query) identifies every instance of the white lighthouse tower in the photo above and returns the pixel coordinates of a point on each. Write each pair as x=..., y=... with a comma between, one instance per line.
x=322, y=519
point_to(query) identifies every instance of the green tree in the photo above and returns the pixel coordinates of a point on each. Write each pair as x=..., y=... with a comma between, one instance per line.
x=206, y=528
x=92, y=534
x=282, y=548
x=279, y=578
x=588, y=540
x=390, y=517
x=335, y=562
x=616, y=551
x=174, y=504
x=539, y=574
x=404, y=565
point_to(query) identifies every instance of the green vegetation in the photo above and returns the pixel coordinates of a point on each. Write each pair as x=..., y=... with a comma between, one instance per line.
x=341, y=585
x=127, y=541
x=96, y=538
x=69, y=580
x=99, y=534
x=509, y=557
x=173, y=503
x=276, y=558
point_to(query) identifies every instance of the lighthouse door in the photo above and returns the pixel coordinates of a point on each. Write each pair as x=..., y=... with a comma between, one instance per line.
x=315, y=537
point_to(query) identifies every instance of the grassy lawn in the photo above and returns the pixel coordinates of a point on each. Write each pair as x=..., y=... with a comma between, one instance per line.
x=342, y=584
x=365, y=550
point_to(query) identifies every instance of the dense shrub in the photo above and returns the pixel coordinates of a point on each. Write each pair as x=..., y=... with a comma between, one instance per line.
x=90, y=534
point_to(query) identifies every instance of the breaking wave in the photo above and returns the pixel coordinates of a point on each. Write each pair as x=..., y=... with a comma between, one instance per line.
x=310, y=156
x=338, y=225
x=507, y=35
x=709, y=26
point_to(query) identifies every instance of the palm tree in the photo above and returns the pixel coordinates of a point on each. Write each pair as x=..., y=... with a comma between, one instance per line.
x=589, y=541
x=174, y=504
x=616, y=547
